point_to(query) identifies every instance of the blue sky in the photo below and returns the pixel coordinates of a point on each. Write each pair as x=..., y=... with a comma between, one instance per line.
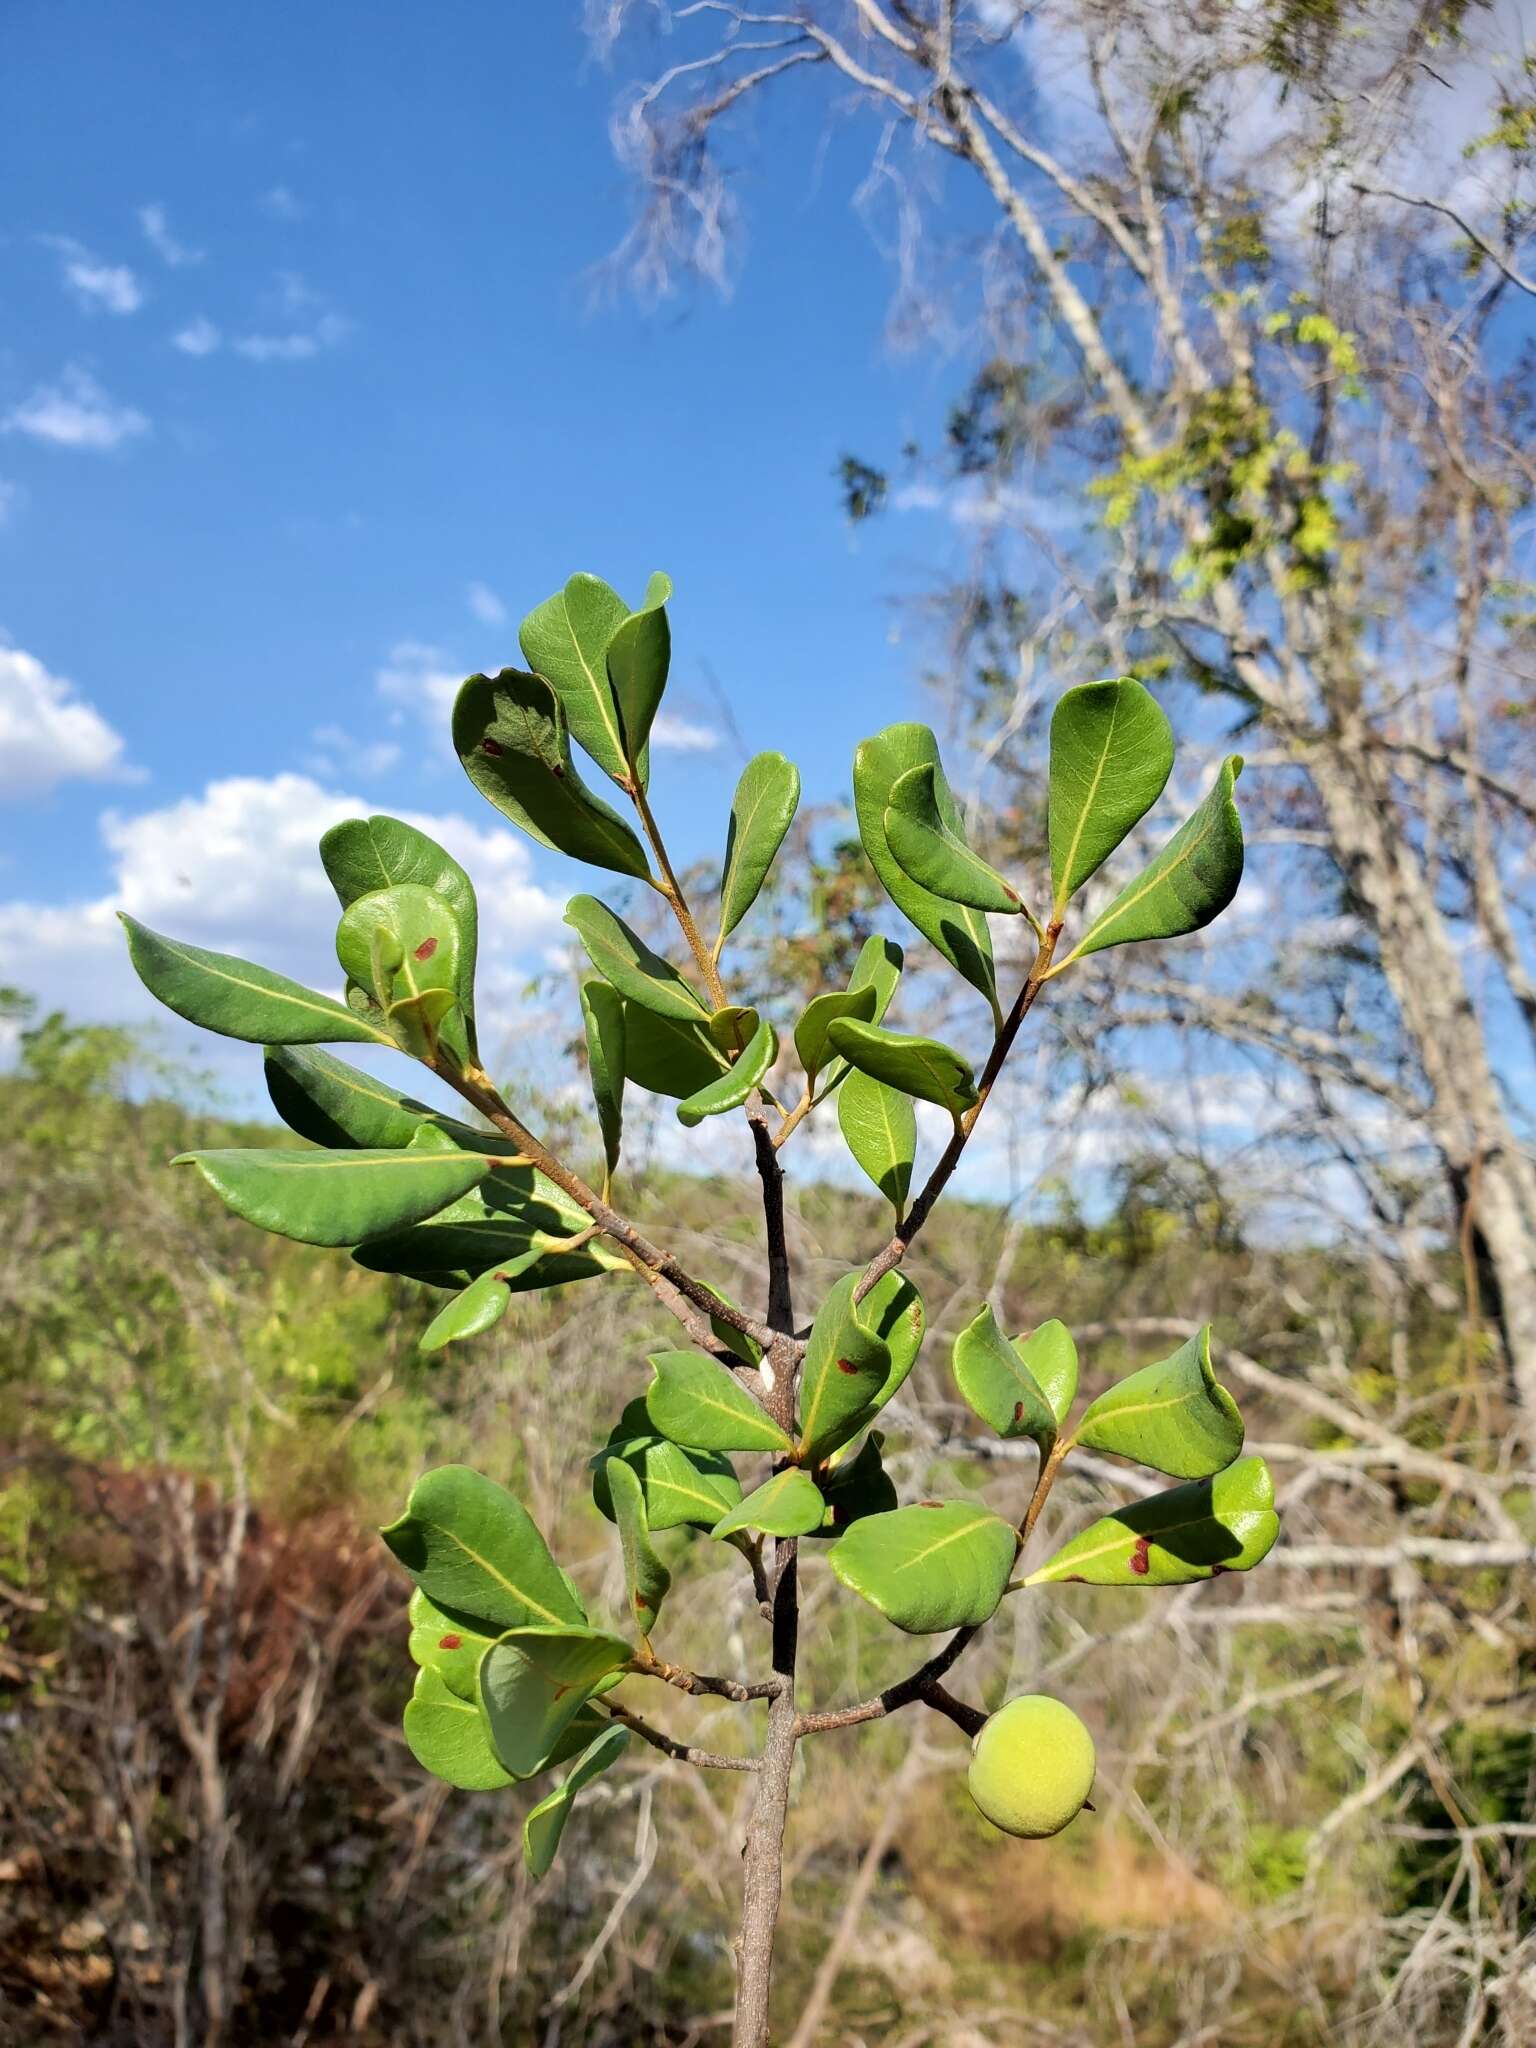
x=308, y=390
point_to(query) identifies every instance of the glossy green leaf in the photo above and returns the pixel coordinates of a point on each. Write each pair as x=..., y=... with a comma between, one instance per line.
x=1190, y=882
x=402, y=946
x=446, y=1642
x=447, y=1736
x=996, y=1384
x=788, y=1504
x=913, y=1066
x=938, y=1565
x=857, y=1488
x=473, y=1548
x=566, y=641
x=878, y=967
x=509, y=731
x=240, y=1000
x=639, y=656
x=958, y=932
x=1172, y=1416
x=1049, y=1355
x=893, y=1309
x=339, y=1106
x=479, y=1306
x=693, y=1487
x=730, y=1090
x=1226, y=1523
x=762, y=811
x=545, y=1825
x=602, y=1012
x=935, y=854
x=1111, y=754
x=704, y=1407
x=811, y=1042
x=340, y=1198
x=646, y=1578
x=622, y=957
x=666, y=1055
x=879, y=1127
x=533, y=1681
x=732, y=1029
x=511, y=1212
x=846, y=1365
x=364, y=855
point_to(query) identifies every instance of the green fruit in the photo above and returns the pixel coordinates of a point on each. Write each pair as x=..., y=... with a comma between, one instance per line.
x=1032, y=1766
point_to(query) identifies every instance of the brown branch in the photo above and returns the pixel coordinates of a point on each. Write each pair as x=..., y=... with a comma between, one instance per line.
x=680, y=1752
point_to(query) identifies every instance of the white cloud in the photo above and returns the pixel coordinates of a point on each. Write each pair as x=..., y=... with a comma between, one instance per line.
x=157, y=232
x=338, y=753
x=681, y=736
x=198, y=338
x=298, y=347
x=281, y=203
x=486, y=605
x=100, y=287
x=421, y=679
x=74, y=413
x=236, y=868
x=48, y=734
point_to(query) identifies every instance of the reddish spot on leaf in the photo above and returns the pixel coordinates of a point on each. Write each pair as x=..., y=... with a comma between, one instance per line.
x=930, y=1503
x=1141, y=1564
x=561, y=1691
x=489, y=746
x=426, y=949
x=451, y=1643
x=846, y=1365
x=1012, y=894
x=557, y=771
x=642, y=1605
x=1018, y=1411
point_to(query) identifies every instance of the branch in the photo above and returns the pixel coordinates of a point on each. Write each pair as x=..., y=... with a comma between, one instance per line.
x=1478, y=241
x=680, y=1752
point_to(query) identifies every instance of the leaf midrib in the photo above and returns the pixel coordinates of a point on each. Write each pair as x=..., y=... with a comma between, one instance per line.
x=321, y=1005
x=1087, y=805
x=1154, y=876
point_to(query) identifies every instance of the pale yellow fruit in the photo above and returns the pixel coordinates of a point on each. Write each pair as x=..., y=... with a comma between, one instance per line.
x=1032, y=1766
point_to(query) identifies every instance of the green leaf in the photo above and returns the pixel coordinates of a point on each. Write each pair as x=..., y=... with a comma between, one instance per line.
x=566, y=641
x=1111, y=754
x=238, y=999
x=639, y=655
x=451, y=1646
x=858, y=1488
x=893, y=1309
x=509, y=731
x=602, y=1012
x=731, y=1089
x=878, y=967
x=513, y=1211
x=402, y=946
x=533, y=1681
x=1226, y=1523
x=1190, y=882
x=339, y=1106
x=622, y=957
x=935, y=854
x=811, y=1041
x=788, y=1504
x=692, y=1487
x=958, y=932
x=364, y=855
x=732, y=1029
x=997, y=1384
x=914, y=1066
x=846, y=1366
x=667, y=1056
x=703, y=1406
x=646, y=1578
x=473, y=1547
x=1049, y=1355
x=446, y=1735
x=544, y=1827
x=762, y=811
x=940, y=1564
x=1172, y=1416
x=340, y=1198
x=879, y=1126
x=479, y=1306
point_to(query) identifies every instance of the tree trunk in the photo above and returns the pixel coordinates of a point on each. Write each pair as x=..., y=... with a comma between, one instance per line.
x=1425, y=974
